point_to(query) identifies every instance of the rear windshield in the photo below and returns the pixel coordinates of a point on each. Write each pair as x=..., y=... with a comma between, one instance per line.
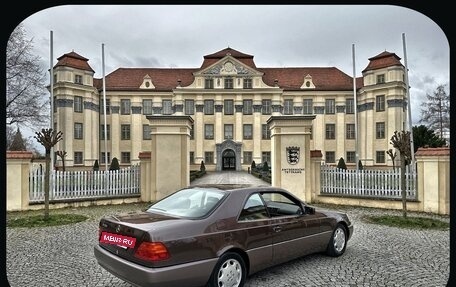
x=190, y=203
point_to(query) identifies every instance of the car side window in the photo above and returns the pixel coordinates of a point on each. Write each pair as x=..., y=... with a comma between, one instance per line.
x=279, y=204
x=253, y=209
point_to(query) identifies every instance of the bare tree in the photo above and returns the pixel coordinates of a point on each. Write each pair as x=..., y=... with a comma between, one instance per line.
x=26, y=96
x=436, y=111
x=62, y=154
x=401, y=141
x=393, y=156
x=48, y=138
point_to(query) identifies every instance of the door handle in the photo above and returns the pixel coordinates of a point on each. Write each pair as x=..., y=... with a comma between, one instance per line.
x=277, y=228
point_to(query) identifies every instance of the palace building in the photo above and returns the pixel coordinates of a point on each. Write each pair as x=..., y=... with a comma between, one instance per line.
x=230, y=100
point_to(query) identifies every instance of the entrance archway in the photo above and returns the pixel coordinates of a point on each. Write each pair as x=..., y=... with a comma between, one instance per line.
x=229, y=160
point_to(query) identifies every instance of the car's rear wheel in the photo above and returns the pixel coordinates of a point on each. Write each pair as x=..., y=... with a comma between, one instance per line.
x=229, y=271
x=338, y=241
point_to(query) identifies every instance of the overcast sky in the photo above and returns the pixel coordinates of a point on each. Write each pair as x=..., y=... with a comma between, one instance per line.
x=277, y=36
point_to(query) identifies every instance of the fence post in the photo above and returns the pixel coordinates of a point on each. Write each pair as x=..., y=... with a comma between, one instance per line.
x=315, y=174
x=145, y=176
x=17, y=179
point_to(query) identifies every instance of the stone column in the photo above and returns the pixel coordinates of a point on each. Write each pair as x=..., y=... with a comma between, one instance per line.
x=17, y=179
x=290, y=153
x=433, y=173
x=147, y=177
x=315, y=169
x=170, y=166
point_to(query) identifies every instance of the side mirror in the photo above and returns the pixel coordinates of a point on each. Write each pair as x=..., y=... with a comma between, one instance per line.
x=309, y=209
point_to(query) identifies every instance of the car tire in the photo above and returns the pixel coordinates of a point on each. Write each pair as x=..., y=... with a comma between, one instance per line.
x=338, y=241
x=229, y=271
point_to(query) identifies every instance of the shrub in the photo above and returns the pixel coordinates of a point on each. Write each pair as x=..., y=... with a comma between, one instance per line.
x=265, y=166
x=202, y=166
x=114, y=164
x=341, y=164
x=253, y=165
x=360, y=165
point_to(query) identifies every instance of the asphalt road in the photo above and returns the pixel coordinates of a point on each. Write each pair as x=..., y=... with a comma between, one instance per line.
x=375, y=256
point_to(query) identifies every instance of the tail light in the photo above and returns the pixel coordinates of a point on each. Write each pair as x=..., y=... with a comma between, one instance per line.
x=152, y=251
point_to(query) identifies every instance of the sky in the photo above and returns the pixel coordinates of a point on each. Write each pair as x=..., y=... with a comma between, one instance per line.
x=276, y=35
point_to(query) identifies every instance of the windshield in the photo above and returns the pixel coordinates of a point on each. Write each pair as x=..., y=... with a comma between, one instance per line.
x=192, y=202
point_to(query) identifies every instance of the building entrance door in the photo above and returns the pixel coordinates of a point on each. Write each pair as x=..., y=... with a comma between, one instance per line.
x=229, y=160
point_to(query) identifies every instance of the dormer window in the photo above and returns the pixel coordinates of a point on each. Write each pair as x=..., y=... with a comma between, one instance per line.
x=247, y=83
x=147, y=83
x=308, y=83
x=381, y=79
x=78, y=79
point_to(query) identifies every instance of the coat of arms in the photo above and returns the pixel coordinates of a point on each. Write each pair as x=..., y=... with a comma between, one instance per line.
x=293, y=154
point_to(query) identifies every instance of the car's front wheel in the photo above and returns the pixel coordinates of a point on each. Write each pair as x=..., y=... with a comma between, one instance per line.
x=229, y=271
x=338, y=241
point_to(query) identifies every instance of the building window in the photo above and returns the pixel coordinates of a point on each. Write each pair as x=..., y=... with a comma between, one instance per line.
x=189, y=107
x=266, y=107
x=103, y=157
x=192, y=132
x=125, y=157
x=208, y=107
x=208, y=83
x=265, y=132
x=147, y=107
x=228, y=83
x=330, y=131
x=349, y=106
x=380, y=130
x=167, y=107
x=266, y=157
x=146, y=132
x=209, y=157
x=247, y=158
x=380, y=156
x=125, y=107
x=125, y=132
x=288, y=107
x=248, y=132
x=330, y=157
x=350, y=132
x=380, y=79
x=380, y=103
x=209, y=131
x=247, y=107
x=351, y=157
x=192, y=157
x=228, y=107
x=307, y=107
x=78, y=131
x=247, y=83
x=78, y=104
x=102, y=132
x=78, y=158
x=78, y=79
x=330, y=106
x=108, y=106
x=228, y=131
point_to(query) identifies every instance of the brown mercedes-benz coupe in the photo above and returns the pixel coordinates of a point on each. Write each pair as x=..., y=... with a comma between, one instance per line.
x=208, y=236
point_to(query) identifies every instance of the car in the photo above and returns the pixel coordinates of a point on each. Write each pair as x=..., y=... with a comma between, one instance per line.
x=215, y=236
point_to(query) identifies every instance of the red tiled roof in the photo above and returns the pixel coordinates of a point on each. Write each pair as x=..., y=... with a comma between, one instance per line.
x=323, y=78
x=164, y=79
x=437, y=151
x=212, y=58
x=383, y=60
x=74, y=60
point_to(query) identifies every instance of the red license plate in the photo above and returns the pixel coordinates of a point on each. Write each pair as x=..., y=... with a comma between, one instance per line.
x=116, y=239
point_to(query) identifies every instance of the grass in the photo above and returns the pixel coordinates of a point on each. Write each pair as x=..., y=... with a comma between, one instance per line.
x=39, y=221
x=408, y=222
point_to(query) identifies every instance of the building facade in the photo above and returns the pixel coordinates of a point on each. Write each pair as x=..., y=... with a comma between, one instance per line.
x=230, y=101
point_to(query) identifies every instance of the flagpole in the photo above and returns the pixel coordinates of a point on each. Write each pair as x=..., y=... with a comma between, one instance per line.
x=51, y=76
x=104, y=110
x=409, y=107
x=355, y=103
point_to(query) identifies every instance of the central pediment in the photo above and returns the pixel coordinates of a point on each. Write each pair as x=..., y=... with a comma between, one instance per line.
x=228, y=66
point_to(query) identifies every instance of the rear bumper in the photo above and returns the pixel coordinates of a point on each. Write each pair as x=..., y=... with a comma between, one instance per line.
x=188, y=274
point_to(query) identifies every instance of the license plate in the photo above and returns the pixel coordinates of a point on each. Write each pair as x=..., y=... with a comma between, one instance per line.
x=117, y=239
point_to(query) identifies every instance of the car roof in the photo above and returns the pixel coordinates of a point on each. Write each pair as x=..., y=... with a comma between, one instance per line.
x=237, y=187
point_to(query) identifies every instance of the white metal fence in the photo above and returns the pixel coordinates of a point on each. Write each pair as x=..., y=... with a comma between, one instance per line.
x=85, y=184
x=367, y=183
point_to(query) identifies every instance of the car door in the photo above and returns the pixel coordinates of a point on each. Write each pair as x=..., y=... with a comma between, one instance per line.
x=292, y=229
